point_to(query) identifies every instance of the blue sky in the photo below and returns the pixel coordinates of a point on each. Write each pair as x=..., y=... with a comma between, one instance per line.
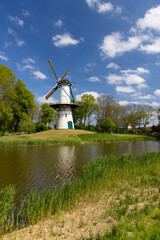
x=110, y=47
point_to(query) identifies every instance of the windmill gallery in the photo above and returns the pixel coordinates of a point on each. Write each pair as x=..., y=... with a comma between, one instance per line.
x=66, y=101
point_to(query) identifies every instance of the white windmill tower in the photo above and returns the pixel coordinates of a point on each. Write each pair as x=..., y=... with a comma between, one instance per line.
x=65, y=106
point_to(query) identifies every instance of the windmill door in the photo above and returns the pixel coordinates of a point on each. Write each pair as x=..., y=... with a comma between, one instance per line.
x=70, y=126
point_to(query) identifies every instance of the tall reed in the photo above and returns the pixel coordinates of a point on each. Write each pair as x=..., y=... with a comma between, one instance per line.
x=102, y=173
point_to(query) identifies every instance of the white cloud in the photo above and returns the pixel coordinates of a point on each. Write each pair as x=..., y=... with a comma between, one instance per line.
x=8, y=44
x=64, y=40
x=3, y=57
x=142, y=85
x=17, y=20
x=89, y=67
x=157, y=92
x=11, y=31
x=134, y=79
x=139, y=70
x=137, y=40
x=151, y=19
x=146, y=97
x=113, y=66
x=94, y=94
x=114, y=44
x=129, y=79
x=22, y=68
x=26, y=13
x=28, y=60
x=91, y=3
x=104, y=7
x=94, y=79
x=59, y=23
x=153, y=47
x=155, y=104
x=19, y=42
x=118, y=9
x=123, y=103
x=42, y=99
x=39, y=75
x=114, y=79
x=125, y=89
x=157, y=63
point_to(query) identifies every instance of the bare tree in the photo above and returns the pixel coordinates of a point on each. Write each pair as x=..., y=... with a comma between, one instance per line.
x=147, y=113
x=105, y=103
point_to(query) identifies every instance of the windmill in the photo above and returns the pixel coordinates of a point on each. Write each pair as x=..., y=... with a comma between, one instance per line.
x=66, y=101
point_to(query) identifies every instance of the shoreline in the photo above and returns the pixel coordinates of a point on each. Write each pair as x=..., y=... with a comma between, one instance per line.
x=120, y=188
x=74, y=137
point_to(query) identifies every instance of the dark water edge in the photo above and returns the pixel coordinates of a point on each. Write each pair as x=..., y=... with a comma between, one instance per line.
x=42, y=167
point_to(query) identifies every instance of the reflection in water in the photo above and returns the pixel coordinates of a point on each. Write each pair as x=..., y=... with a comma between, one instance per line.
x=38, y=168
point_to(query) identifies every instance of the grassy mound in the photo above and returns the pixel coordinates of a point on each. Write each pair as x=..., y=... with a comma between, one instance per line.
x=67, y=137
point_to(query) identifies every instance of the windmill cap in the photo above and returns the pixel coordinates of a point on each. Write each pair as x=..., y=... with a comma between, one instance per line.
x=64, y=81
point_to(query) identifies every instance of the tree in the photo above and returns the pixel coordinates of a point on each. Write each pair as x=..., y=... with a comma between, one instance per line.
x=23, y=104
x=16, y=101
x=106, y=105
x=78, y=114
x=108, y=125
x=147, y=113
x=27, y=126
x=134, y=115
x=47, y=113
x=89, y=107
x=7, y=85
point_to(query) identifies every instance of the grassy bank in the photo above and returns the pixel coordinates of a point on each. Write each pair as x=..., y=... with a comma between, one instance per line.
x=128, y=190
x=67, y=137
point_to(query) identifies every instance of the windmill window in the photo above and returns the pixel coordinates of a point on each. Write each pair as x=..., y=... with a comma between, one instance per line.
x=65, y=115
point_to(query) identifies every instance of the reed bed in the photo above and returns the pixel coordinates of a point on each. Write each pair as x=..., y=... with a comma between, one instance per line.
x=103, y=173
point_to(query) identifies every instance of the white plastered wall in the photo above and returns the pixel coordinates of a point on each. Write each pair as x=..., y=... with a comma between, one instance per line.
x=64, y=94
x=64, y=116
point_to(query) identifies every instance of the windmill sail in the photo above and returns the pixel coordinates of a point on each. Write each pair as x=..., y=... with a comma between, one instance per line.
x=65, y=74
x=49, y=61
x=52, y=91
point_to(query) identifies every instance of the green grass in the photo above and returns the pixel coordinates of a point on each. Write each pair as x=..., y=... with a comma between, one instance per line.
x=101, y=137
x=120, y=175
x=7, y=208
x=68, y=137
x=145, y=227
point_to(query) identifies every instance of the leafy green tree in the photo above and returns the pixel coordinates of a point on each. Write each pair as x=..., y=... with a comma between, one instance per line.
x=89, y=107
x=108, y=125
x=78, y=115
x=27, y=126
x=47, y=113
x=40, y=127
x=16, y=101
x=6, y=116
x=7, y=86
x=24, y=102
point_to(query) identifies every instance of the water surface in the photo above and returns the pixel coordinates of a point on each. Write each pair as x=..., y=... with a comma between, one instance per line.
x=41, y=167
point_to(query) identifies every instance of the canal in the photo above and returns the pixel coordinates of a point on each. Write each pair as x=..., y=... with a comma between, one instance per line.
x=42, y=167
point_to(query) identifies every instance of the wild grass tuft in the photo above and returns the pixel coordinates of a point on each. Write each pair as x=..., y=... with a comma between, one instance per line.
x=6, y=208
x=102, y=173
